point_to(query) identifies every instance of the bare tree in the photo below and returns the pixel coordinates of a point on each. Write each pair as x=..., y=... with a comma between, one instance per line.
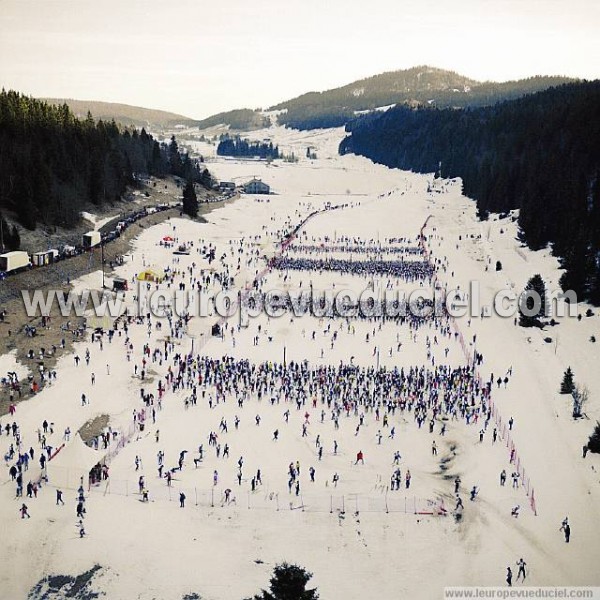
x=580, y=397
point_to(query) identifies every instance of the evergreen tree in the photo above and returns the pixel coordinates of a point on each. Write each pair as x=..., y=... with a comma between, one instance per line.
x=568, y=385
x=190, y=201
x=288, y=583
x=15, y=238
x=206, y=179
x=9, y=236
x=537, y=288
x=594, y=440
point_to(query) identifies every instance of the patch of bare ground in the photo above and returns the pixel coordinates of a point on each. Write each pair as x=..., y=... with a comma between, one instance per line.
x=91, y=429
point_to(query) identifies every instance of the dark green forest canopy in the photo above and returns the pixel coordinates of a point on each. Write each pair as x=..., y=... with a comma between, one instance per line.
x=539, y=154
x=236, y=146
x=53, y=165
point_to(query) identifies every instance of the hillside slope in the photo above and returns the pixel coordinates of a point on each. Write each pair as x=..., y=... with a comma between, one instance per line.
x=125, y=114
x=243, y=119
x=421, y=85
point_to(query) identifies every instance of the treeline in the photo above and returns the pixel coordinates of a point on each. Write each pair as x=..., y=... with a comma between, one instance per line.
x=236, y=146
x=53, y=165
x=539, y=154
x=418, y=86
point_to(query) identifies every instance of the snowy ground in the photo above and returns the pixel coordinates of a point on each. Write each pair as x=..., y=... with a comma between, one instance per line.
x=10, y=364
x=379, y=546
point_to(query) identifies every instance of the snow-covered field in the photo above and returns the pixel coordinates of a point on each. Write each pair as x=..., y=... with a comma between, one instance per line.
x=358, y=538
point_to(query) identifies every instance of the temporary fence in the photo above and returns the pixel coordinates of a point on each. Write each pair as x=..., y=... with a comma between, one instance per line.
x=504, y=432
x=261, y=499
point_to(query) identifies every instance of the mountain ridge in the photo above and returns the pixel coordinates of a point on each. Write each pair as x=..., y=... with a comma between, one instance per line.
x=418, y=86
x=126, y=114
x=422, y=85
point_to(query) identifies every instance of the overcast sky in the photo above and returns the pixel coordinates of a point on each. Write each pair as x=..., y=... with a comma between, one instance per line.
x=197, y=57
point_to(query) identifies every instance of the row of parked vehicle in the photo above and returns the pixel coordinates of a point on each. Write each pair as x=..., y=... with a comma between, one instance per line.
x=19, y=260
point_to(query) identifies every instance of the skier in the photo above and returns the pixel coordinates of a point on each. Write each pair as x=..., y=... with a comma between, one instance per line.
x=181, y=500
x=509, y=576
x=521, y=564
x=566, y=529
x=503, y=477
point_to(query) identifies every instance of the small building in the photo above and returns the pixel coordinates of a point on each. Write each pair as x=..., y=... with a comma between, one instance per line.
x=226, y=186
x=91, y=239
x=256, y=186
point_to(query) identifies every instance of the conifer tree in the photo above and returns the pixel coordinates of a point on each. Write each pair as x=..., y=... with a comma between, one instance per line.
x=288, y=583
x=537, y=288
x=594, y=440
x=568, y=385
x=190, y=201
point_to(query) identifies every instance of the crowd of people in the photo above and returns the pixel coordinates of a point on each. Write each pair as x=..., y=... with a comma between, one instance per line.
x=407, y=270
x=432, y=397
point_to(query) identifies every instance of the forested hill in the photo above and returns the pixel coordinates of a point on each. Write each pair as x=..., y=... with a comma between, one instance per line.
x=53, y=165
x=242, y=119
x=134, y=116
x=540, y=153
x=422, y=86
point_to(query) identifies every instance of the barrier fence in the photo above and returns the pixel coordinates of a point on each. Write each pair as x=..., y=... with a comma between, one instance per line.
x=470, y=355
x=262, y=499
